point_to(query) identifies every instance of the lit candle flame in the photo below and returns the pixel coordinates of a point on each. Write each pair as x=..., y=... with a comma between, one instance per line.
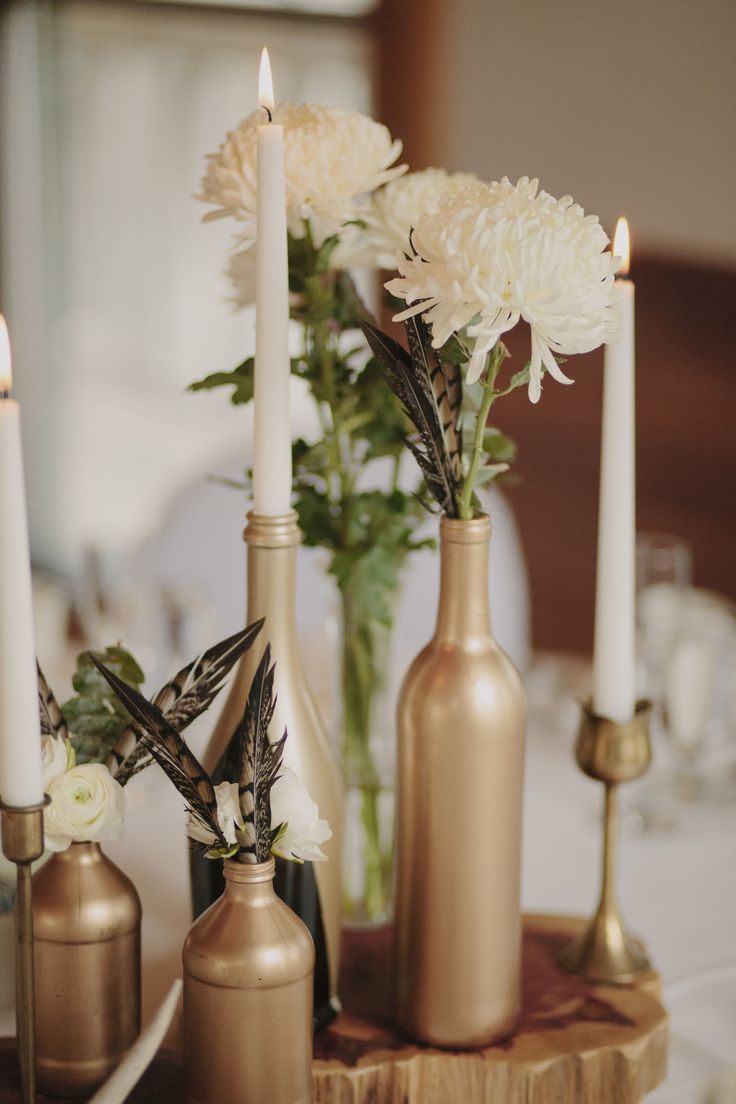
x=265, y=84
x=6, y=371
x=621, y=246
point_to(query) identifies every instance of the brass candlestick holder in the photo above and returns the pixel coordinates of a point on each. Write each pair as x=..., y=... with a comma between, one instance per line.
x=610, y=753
x=22, y=831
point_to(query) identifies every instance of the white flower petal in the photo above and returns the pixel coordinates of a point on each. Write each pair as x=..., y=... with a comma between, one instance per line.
x=490, y=254
x=87, y=804
x=390, y=215
x=304, y=830
x=332, y=158
x=229, y=817
x=57, y=756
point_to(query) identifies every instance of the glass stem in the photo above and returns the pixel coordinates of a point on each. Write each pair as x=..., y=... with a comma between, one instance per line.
x=358, y=687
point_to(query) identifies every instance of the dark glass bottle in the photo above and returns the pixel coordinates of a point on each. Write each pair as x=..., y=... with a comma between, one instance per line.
x=312, y=891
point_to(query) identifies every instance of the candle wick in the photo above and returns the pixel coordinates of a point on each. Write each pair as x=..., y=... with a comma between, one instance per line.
x=4, y=393
x=268, y=112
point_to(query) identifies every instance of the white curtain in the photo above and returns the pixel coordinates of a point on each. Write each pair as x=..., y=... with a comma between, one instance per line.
x=113, y=289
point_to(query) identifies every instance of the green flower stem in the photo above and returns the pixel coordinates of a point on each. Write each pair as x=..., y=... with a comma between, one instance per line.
x=358, y=674
x=358, y=686
x=497, y=357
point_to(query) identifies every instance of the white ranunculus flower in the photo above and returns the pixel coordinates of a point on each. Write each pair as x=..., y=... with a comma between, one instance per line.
x=229, y=818
x=291, y=805
x=332, y=158
x=493, y=254
x=391, y=213
x=87, y=804
x=57, y=756
x=304, y=831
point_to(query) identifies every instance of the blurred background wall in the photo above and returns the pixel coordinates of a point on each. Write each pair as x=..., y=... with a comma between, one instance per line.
x=115, y=295
x=631, y=108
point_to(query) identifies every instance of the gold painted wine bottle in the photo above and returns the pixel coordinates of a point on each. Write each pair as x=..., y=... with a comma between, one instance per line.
x=248, y=963
x=312, y=891
x=87, y=931
x=461, y=730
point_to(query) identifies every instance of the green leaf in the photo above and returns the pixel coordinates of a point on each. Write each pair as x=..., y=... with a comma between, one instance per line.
x=488, y=473
x=240, y=379
x=520, y=379
x=95, y=716
x=498, y=446
x=454, y=352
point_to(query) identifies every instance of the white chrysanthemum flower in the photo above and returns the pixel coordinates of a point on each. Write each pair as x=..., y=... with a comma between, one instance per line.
x=496, y=253
x=304, y=830
x=87, y=805
x=390, y=215
x=332, y=157
x=241, y=272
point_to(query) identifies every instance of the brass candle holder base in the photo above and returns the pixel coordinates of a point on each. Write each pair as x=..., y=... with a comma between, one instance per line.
x=22, y=832
x=610, y=753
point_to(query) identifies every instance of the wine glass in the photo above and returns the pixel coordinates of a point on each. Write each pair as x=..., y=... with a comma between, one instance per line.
x=698, y=693
x=663, y=574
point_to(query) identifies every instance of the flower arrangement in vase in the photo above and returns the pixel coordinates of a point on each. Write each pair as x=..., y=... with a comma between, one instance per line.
x=485, y=258
x=87, y=913
x=248, y=959
x=348, y=206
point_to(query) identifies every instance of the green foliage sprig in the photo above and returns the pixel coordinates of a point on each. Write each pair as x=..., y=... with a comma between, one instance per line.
x=95, y=715
x=368, y=531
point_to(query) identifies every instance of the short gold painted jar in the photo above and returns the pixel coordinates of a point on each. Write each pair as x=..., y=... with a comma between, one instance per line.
x=248, y=970
x=87, y=924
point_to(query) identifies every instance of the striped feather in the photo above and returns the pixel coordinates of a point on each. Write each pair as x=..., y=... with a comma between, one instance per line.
x=171, y=753
x=434, y=449
x=52, y=719
x=183, y=699
x=260, y=762
x=444, y=386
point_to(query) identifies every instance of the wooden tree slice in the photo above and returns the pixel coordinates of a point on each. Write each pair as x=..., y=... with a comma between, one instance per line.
x=575, y=1043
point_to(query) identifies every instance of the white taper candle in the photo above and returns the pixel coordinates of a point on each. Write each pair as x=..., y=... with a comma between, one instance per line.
x=20, y=740
x=272, y=426
x=614, y=679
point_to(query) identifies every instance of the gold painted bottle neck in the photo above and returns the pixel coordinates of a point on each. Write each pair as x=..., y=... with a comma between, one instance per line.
x=279, y=531
x=243, y=873
x=463, y=616
x=272, y=546
x=250, y=883
x=85, y=852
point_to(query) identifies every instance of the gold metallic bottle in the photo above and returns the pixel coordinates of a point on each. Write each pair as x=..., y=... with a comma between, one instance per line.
x=248, y=964
x=87, y=927
x=461, y=728
x=312, y=891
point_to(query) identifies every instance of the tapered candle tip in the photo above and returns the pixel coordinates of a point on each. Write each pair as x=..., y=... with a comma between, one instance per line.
x=6, y=371
x=265, y=83
x=621, y=247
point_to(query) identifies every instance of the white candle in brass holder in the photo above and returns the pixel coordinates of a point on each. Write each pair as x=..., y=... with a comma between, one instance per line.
x=611, y=753
x=22, y=832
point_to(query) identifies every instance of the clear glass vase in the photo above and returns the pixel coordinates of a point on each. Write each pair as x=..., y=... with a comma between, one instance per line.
x=368, y=751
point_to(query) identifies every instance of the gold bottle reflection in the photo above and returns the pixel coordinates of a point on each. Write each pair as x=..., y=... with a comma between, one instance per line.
x=87, y=923
x=248, y=965
x=313, y=891
x=461, y=726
